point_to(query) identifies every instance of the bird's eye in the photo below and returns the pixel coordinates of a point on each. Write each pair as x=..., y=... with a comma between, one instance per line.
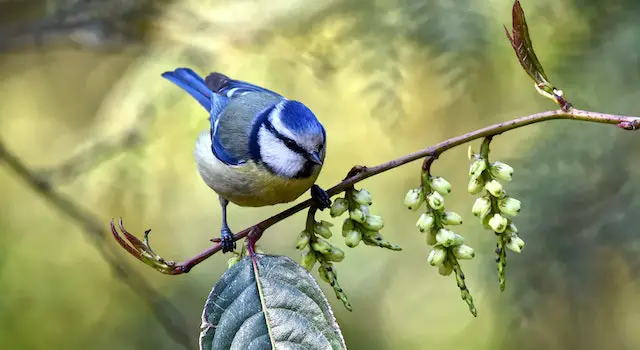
x=290, y=143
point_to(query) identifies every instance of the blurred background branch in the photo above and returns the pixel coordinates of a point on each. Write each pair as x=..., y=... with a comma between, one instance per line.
x=165, y=312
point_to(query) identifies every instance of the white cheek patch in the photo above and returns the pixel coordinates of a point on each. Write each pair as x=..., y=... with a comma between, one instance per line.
x=277, y=156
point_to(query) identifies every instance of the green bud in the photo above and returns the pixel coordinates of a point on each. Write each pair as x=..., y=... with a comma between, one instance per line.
x=302, y=241
x=323, y=228
x=498, y=223
x=495, y=188
x=481, y=207
x=445, y=269
x=321, y=246
x=440, y=185
x=431, y=237
x=436, y=256
x=435, y=201
x=353, y=238
x=234, y=259
x=425, y=222
x=373, y=222
x=338, y=207
x=515, y=243
x=501, y=171
x=476, y=184
x=357, y=215
x=362, y=197
x=335, y=254
x=509, y=206
x=463, y=252
x=477, y=167
x=347, y=226
x=308, y=259
x=445, y=237
x=414, y=198
x=451, y=218
x=323, y=274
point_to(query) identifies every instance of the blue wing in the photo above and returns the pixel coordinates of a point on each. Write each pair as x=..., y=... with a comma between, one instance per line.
x=223, y=85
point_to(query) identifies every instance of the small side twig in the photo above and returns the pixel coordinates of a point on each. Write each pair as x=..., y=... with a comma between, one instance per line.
x=359, y=173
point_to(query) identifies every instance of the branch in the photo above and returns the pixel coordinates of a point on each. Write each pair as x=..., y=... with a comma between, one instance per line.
x=166, y=313
x=143, y=252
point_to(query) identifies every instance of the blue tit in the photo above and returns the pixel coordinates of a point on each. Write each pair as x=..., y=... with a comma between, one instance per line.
x=261, y=148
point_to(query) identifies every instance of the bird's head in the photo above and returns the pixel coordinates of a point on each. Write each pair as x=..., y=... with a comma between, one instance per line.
x=291, y=141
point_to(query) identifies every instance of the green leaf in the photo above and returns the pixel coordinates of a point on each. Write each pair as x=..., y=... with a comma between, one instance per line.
x=521, y=43
x=282, y=308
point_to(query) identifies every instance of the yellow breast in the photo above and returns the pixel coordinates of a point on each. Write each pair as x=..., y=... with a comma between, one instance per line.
x=249, y=184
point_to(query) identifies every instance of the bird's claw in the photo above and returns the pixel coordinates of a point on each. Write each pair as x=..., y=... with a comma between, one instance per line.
x=321, y=197
x=226, y=239
x=141, y=250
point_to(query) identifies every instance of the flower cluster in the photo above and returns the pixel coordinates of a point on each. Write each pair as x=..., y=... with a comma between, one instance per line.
x=448, y=246
x=315, y=248
x=361, y=225
x=495, y=208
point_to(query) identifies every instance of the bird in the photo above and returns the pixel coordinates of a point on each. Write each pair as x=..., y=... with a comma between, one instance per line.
x=261, y=148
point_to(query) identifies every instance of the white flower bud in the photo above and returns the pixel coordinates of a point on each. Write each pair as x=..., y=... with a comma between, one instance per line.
x=425, y=222
x=498, y=223
x=362, y=196
x=515, y=243
x=458, y=240
x=509, y=206
x=335, y=254
x=338, y=207
x=451, y=218
x=463, y=252
x=302, y=241
x=352, y=238
x=501, y=171
x=511, y=229
x=374, y=222
x=477, y=167
x=414, y=198
x=476, y=184
x=436, y=201
x=436, y=256
x=308, y=259
x=323, y=228
x=481, y=207
x=495, y=188
x=347, y=226
x=445, y=237
x=445, y=269
x=440, y=185
x=321, y=246
x=357, y=215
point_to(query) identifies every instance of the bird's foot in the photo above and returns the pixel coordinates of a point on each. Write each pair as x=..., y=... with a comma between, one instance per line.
x=226, y=239
x=321, y=197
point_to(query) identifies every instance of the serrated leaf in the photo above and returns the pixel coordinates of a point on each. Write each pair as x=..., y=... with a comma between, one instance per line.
x=283, y=308
x=521, y=43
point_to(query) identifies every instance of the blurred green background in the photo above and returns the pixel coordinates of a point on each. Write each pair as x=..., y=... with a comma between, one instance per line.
x=386, y=78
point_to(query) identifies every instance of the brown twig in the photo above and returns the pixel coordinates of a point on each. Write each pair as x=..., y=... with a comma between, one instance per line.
x=359, y=173
x=164, y=311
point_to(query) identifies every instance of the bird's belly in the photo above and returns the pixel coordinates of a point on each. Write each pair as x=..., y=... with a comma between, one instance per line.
x=248, y=185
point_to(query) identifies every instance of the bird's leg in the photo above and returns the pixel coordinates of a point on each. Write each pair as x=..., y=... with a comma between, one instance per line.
x=226, y=236
x=321, y=197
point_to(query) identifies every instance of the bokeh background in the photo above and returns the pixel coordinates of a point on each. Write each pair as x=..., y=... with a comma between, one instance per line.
x=83, y=106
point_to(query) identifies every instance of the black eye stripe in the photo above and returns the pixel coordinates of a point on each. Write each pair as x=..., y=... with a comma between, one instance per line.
x=292, y=145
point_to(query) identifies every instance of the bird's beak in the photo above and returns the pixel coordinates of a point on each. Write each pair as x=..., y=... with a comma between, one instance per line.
x=315, y=158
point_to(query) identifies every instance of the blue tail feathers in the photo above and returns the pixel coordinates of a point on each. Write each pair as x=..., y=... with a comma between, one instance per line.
x=192, y=83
